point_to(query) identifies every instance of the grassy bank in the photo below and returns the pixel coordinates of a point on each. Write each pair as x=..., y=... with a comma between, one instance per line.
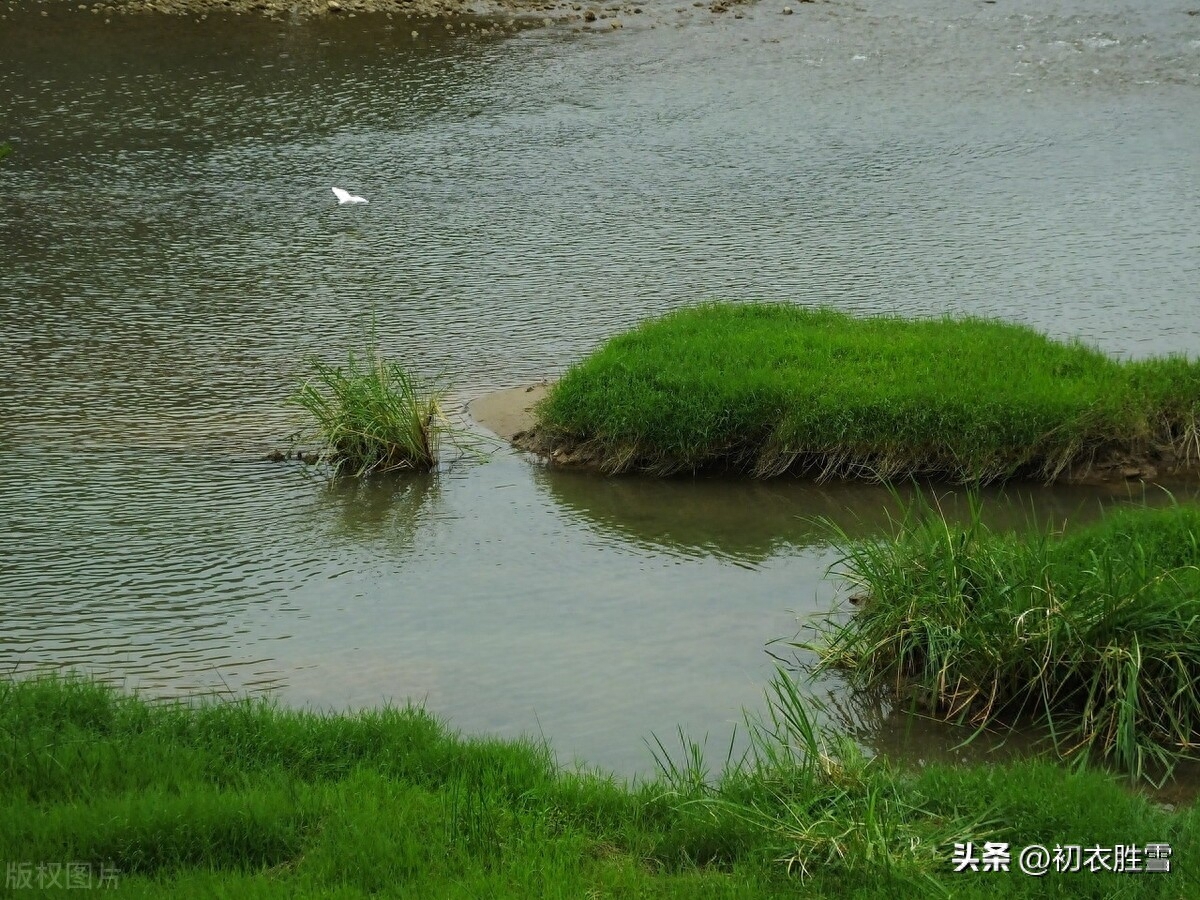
x=243, y=799
x=766, y=389
x=1093, y=634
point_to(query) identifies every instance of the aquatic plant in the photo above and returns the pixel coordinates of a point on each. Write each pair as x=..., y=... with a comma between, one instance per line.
x=370, y=416
x=1092, y=635
x=769, y=388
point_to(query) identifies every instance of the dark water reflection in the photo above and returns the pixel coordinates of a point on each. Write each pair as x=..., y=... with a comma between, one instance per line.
x=750, y=523
x=170, y=254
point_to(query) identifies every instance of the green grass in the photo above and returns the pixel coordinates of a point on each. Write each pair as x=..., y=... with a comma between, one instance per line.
x=247, y=799
x=765, y=388
x=1093, y=635
x=370, y=417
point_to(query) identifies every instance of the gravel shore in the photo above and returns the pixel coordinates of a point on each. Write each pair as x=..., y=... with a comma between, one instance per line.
x=600, y=16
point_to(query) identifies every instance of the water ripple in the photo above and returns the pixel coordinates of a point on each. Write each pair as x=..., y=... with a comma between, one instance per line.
x=172, y=255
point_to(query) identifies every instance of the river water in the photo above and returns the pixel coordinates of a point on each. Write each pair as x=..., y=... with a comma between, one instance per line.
x=170, y=255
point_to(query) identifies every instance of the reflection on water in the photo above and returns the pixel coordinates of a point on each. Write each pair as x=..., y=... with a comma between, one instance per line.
x=388, y=508
x=751, y=522
x=170, y=253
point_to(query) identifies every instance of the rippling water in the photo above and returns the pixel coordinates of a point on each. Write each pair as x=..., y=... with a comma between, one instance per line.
x=170, y=253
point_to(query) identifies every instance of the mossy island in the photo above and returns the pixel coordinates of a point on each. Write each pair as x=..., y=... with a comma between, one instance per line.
x=771, y=389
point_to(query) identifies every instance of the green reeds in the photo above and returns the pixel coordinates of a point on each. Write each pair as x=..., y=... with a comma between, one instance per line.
x=1092, y=635
x=370, y=416
x=818, y=803
x=769, y=388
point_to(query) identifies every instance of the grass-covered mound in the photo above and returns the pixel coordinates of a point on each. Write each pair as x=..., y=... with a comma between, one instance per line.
x=768, y=388
x=249, y=800
x=1093, y=634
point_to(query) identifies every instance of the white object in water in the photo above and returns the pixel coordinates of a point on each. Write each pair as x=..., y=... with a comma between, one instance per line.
x=347, y=197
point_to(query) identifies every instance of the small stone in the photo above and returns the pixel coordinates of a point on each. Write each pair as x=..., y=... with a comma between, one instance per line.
x=787, y=10
x=334, y=5
x=416, y=34
x=589, y=16
x=616, y=23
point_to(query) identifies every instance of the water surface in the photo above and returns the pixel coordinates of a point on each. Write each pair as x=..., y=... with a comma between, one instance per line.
x=170, y=254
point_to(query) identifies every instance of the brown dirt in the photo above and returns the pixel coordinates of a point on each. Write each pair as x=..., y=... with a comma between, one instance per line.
x=509, y=414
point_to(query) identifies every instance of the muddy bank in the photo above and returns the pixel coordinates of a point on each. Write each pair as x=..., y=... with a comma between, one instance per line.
x=511, y=415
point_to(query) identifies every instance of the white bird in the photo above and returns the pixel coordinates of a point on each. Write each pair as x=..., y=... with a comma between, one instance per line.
x=347, y=197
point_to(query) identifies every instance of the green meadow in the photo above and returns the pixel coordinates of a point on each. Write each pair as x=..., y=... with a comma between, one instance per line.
x=246, y=799
x=770, y=388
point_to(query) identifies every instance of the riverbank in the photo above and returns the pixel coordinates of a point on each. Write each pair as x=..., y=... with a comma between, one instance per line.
x=243, y=798
x=1091, y=634
x=468, y=14
x=768, y=389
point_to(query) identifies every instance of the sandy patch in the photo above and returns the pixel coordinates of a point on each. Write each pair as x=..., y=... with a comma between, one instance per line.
x=508, y=413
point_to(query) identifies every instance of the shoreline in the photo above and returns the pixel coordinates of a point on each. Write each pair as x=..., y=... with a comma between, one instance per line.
x=509, y=414
x=594, y=16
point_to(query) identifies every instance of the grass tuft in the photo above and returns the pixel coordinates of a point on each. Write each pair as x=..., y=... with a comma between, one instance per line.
x=769, y=388
x=370, y=417
x=1092, y=634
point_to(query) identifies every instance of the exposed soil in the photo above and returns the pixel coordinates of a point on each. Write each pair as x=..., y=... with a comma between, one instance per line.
x=510, y=415
x=510, y=412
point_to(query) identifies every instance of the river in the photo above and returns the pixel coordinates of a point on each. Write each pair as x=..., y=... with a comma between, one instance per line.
x=171, y=254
